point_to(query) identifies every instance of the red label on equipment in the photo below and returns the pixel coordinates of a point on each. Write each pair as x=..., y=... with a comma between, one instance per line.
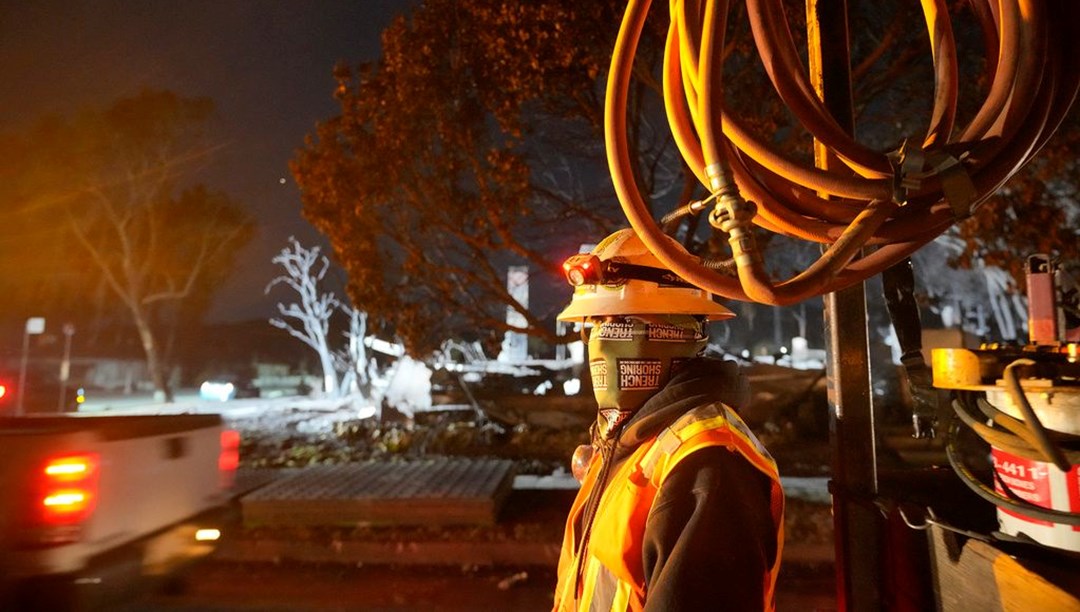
x=1028, y=479
x=1072, y=483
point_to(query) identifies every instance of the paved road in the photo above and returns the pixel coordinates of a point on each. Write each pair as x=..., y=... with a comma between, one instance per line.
x=246, y=587
x=287, y=587
x=228, y=585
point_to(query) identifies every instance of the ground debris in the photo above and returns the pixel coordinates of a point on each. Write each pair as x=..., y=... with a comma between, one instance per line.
x=513, y=579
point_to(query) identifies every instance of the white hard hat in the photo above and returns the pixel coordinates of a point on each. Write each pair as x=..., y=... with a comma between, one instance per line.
x=621, y=277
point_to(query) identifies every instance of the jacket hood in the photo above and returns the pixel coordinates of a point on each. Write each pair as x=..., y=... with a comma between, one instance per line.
x=699, y=381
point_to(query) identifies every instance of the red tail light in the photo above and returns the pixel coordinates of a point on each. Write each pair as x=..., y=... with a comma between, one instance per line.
x=63, y=492
x=68, y=489
x=229, y=457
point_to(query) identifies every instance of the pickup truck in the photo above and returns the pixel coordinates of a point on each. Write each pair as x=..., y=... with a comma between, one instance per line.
x=93, y=507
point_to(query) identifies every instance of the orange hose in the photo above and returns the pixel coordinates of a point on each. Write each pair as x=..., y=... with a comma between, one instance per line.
x=710, y=79
x=946, y=86
x=784, y=67
x=1035, y=80
x=637, y=213
x=1004, y=74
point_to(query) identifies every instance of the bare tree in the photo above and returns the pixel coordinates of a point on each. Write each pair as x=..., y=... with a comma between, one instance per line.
x=976, y=288
x=800, y=318
x=352, y=361
x=102, y=200
x=309, y=319
x=345, y=364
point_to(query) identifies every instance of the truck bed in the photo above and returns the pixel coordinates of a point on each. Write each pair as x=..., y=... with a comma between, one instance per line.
x=153, y=474
x=108, y=427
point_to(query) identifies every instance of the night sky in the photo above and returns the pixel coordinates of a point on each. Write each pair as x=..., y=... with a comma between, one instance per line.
x=267, y=66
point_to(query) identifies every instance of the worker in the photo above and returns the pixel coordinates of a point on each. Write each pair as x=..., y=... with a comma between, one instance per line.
x=680, y=506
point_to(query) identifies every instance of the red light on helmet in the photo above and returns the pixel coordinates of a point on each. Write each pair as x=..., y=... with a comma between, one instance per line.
x=583, y=269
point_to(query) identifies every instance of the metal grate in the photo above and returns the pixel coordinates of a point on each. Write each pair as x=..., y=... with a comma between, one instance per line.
x=427, y=492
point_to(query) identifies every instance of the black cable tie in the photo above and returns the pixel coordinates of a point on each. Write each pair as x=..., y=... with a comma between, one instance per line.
x=956, y=184
x=907, y=162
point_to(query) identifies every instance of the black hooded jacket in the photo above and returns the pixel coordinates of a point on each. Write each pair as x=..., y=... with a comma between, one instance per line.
x=709, y=539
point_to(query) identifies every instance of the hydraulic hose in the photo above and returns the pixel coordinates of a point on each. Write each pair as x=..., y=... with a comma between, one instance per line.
x=1052, y=453
x=952, y=453
x=1015, y=426
x=896, y=201
x=946, y=80
x=1003, y=440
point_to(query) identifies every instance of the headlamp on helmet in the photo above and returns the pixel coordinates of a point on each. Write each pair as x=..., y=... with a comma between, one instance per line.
x=622, y=277
x=583, y=269
x=588, y=269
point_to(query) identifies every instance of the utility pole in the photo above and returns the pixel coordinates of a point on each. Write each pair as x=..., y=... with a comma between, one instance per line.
x=65, y=366
x=856, y=522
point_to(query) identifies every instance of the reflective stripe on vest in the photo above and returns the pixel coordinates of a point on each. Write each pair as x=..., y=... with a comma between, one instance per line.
x=613, y=577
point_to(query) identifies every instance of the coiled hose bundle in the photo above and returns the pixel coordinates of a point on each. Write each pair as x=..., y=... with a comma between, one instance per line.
x=894, y=201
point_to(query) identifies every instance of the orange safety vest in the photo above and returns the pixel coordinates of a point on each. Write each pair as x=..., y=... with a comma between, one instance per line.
x=612, y=577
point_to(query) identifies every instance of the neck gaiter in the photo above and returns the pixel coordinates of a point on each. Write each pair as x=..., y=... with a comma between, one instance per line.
x=631, y=359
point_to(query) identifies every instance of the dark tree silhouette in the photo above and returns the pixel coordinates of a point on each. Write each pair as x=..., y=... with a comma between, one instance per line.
x=101, y=203
x=473, y=144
